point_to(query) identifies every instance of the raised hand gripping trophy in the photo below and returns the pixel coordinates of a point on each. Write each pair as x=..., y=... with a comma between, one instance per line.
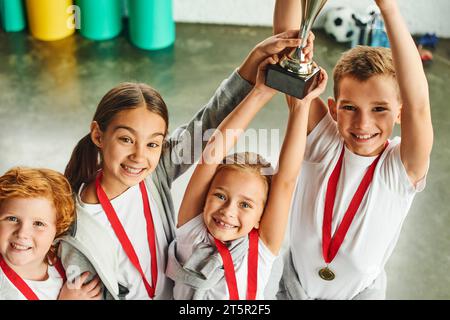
x=293, y=75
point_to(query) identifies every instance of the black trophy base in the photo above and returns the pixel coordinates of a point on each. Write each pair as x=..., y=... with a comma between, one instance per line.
x=287, y=82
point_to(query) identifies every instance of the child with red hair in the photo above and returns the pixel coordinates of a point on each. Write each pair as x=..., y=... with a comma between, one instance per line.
x=36, y=206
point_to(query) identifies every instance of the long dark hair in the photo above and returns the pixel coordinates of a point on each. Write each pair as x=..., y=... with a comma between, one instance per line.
x=85, y=159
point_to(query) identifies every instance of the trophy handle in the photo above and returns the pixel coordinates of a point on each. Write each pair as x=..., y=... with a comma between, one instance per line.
x=292, y=75
x=310, y=11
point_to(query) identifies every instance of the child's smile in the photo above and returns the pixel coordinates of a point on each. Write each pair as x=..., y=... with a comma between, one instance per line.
x=130, y=147
x=222, y=224
x=366, y=112
x=16, y=246
x=132, y=171
x=234, y=204
x=364, y=137
x=27, y=230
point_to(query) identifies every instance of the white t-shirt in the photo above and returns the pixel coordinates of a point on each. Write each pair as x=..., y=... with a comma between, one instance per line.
x=130, y=211
x=195, y=232
x=375, y=228
x=45, y=290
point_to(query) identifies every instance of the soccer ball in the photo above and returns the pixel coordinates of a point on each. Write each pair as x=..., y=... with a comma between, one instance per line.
x=340, y=24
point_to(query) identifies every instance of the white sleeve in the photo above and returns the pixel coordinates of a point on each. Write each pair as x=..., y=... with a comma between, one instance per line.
x=265, y=263
x=394, y=173
x=265, y=254
x=192, y=232
x=323, y=138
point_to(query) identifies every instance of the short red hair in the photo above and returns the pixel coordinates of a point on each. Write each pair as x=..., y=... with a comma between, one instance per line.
x=20, y=182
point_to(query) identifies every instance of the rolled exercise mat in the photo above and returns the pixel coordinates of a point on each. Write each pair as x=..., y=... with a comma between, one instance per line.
x=12, y=15
x=151, y=23
x=50, y=19
x=100, y=19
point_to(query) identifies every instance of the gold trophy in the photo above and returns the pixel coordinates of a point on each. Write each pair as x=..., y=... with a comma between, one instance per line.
x=292, y=75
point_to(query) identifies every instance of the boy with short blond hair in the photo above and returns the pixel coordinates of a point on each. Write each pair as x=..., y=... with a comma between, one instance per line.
x=363, y=62
x=357, y=185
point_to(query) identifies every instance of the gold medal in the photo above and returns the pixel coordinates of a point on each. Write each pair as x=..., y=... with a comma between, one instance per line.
x=326, y=274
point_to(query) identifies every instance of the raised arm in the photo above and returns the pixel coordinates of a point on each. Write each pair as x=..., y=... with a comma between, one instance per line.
x=223, y=139
x=287, y=15
x=182, y=150
x=275, y=217
x=416, y=127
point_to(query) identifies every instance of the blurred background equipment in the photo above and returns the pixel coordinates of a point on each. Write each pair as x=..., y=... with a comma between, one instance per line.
x=151, y=23
x=344, y=24
x=100, y=19
x=12, y=15
x=48, y=19
x=340, y=24
x=370, y=29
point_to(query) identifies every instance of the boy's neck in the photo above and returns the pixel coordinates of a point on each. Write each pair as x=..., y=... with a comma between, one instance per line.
x=32, y=271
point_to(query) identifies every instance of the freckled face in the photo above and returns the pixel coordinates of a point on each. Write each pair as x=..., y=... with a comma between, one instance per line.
x=234, y=204
x=27, y=230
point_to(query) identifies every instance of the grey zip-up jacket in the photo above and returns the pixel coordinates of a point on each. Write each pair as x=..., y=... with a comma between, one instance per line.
x=88, y=246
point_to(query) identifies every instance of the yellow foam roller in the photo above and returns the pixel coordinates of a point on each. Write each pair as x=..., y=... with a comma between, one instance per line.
x=50, y=20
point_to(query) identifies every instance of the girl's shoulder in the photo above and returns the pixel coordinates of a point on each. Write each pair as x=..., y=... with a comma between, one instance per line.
x=88, y=194
x=193, y=231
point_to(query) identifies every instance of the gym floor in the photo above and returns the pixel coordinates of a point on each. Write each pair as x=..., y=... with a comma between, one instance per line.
x=50, y=90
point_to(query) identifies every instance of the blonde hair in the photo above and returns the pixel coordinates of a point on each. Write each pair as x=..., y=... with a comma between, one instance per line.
x=20, y=182
x=248, y=162
x=361, y=63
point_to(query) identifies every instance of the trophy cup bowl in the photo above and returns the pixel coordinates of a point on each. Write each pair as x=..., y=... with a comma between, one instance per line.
x=292, y=75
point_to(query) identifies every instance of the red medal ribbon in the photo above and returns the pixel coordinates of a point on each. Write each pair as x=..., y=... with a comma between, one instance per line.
x=123, y=238
x=330, y=246
x=252, y=274
x=20, y=284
